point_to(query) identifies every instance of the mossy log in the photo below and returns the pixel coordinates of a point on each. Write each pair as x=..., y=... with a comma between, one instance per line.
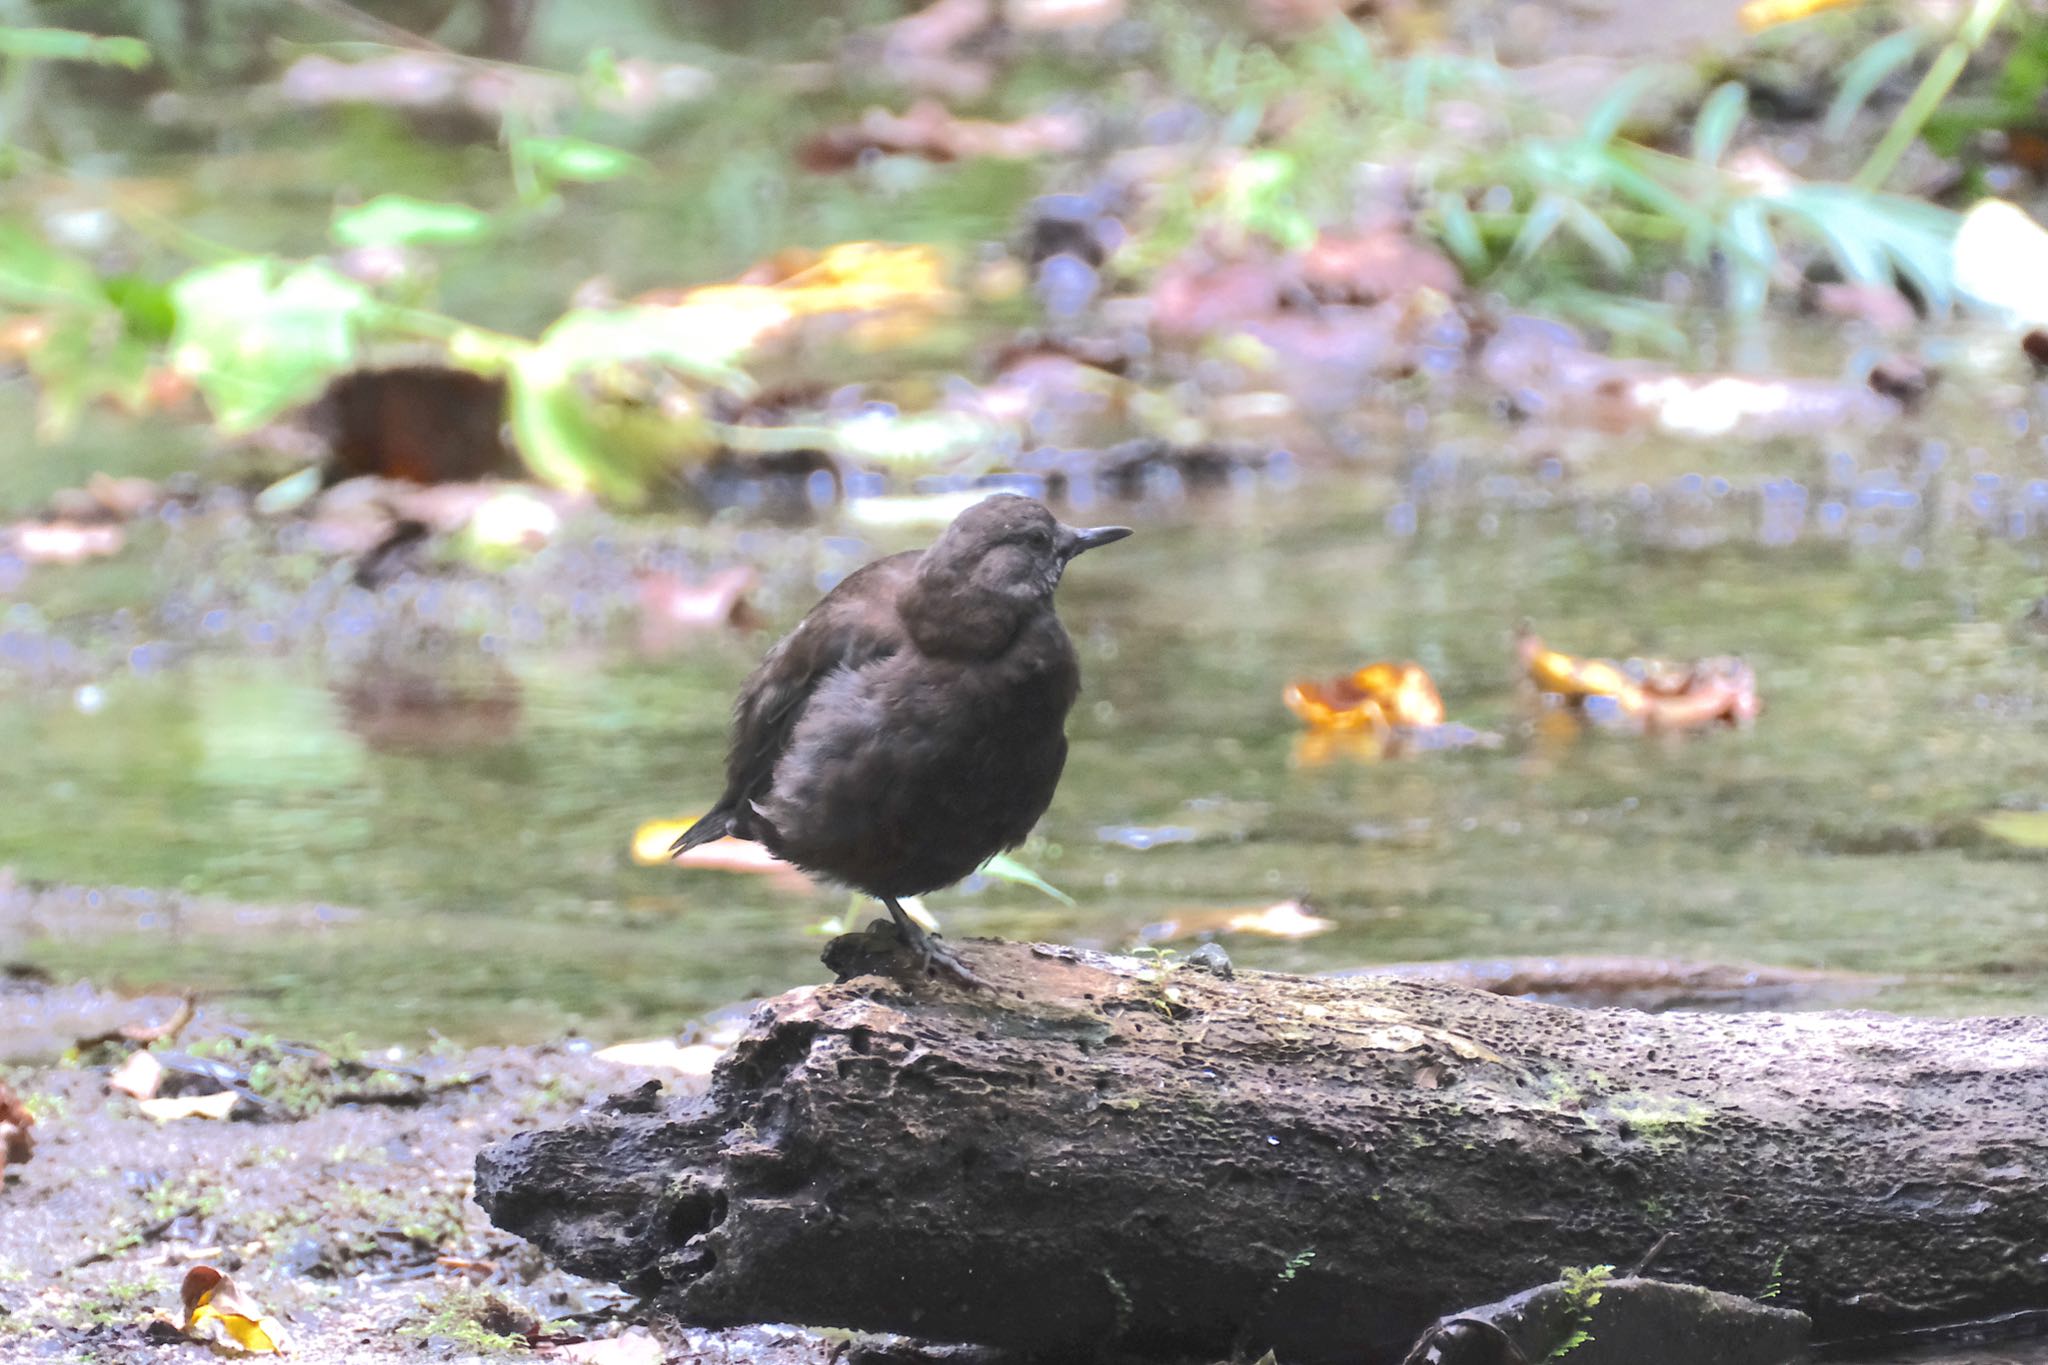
x=1097, y=1152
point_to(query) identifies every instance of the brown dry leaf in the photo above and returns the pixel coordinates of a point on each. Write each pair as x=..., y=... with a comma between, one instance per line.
x=138, y=1077
x=105, y=498
x=930, y=130
x=17, y=1143
x=672, y=609
x=219, y=1105
x=219, y=1313
x=1658, y=695
x=633, y=1347
x=663, y=1054
x=1366, y=267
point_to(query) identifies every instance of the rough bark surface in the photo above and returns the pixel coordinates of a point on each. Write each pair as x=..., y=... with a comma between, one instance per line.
x=1097, y=1153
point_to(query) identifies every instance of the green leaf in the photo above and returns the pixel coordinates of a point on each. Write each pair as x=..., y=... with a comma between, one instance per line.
x=68, y=45
x=34, y=274
x=1604, y=123
x=1459, y=231
x=257, y=337
x=145, y=306
x=1598, y=238
x=401, y=220
x=1719, y=117
x=1004, y=868
x=1869, y=69
x=578, y=407
x=572, y=158
x=1537, y=228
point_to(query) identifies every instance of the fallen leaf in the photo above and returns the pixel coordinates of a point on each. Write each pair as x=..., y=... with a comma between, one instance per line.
x=17, y=1143
x=1366, y=267
x=2000, y=260
x=138, y=1077
x=1654, y=694
x=893, y=291
x=2020, y=828
x=219, y=1105
x=219, y=1313
x=633, y=1347
x=672, y=609
x=652, y=840
x=1374, y=697
x=664, y=1054
x=66, y=542
x=1758, y=15
x=1287, y=919
x=929, y=130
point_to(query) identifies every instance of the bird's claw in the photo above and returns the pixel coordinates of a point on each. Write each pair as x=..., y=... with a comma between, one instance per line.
x=937, y=959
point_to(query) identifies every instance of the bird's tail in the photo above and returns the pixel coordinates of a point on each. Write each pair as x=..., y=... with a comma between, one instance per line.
x=716, y=823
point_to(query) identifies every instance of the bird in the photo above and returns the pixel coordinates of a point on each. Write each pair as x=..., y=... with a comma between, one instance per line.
x=913, y=724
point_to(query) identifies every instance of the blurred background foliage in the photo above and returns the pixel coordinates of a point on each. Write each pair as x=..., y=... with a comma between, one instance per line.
x=1590, y=207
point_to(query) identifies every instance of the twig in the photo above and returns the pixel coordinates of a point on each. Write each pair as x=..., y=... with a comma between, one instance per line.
x=144, y=1034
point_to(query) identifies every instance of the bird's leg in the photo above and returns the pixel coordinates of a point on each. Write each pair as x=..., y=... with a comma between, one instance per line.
x=929, y=954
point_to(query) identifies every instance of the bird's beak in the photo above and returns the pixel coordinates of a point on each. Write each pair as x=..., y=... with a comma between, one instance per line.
x=1073, y=540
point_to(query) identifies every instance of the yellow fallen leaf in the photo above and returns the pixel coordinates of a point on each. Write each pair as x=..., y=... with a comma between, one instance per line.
x=1758, y=15
x=219, y=1105
x=652, y=841
x=219, y=1313
x=1288, y=919
x=138, y=1077
x=2021, y=828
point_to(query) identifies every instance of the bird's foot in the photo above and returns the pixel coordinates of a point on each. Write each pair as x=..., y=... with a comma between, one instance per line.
x=935, y=958
x=938, y=959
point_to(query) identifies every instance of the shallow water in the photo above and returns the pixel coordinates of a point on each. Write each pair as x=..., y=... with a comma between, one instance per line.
x=325, y=859
x=470, y=877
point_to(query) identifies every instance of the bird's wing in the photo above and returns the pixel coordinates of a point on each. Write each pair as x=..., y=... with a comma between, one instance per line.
x=854, y=625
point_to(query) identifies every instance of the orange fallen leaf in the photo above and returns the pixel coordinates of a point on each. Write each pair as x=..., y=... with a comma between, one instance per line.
x=1573, y=678
x=1657, y=695
x=17, y=1143
x=1375, y=697
x=219, y=1105
x=219, y=1313
x=651, y=843
x=1286, y=919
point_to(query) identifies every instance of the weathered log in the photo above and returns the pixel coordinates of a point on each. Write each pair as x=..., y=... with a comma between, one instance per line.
x=1099, y=1152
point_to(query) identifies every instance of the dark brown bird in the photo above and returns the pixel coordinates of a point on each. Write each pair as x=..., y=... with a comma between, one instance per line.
x=913, y=725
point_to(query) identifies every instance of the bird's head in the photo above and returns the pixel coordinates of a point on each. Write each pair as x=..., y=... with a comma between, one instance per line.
x=1012, y=545
x=999, y=560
